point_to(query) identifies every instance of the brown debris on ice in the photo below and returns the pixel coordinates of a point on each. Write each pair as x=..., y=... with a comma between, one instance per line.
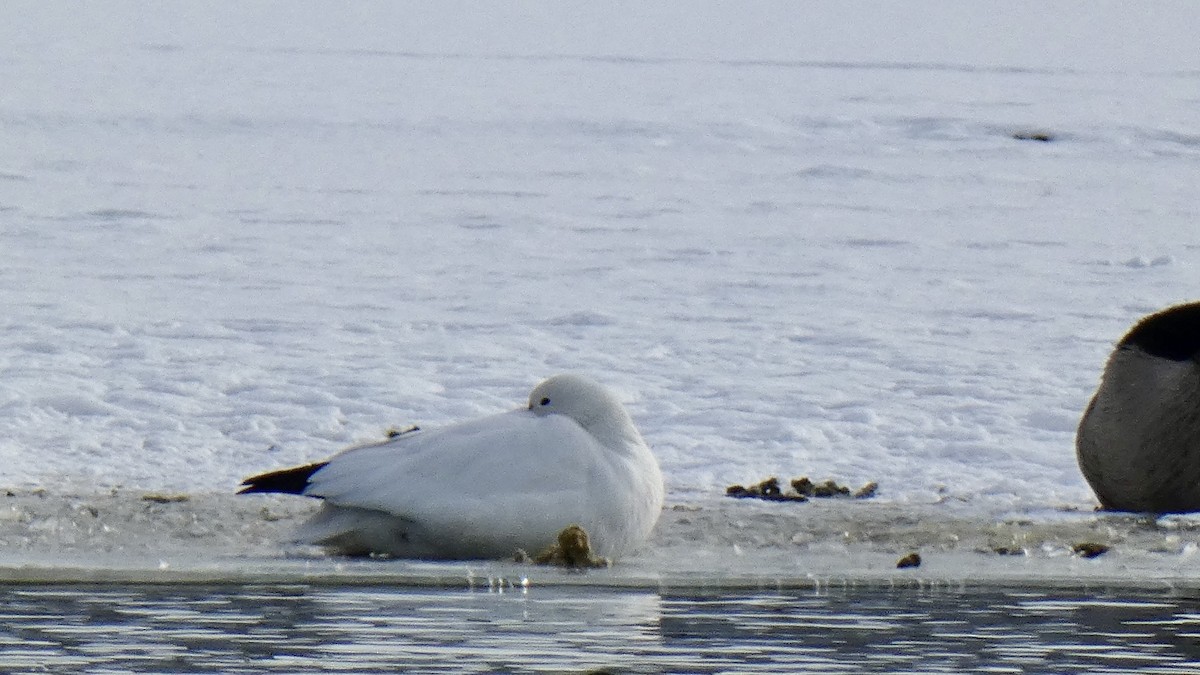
x=1039, y=135
x=803, y=489
x=1089, y=550
x=768, y=489
x=158, y=498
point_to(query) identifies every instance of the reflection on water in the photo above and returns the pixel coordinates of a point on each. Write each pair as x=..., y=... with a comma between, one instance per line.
x=297, y=628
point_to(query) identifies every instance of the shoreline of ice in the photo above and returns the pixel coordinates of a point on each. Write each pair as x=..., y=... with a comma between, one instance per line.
x=150, y=537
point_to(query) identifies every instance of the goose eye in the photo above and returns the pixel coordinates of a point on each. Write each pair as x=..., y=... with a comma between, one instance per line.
x=545, y=401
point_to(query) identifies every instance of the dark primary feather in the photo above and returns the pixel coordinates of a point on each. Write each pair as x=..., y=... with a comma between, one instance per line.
x=287, y=481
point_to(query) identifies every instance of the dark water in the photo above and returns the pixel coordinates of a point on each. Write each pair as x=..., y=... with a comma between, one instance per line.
x=298, y=628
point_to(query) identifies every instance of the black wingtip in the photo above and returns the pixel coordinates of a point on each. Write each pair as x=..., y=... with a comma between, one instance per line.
x=1173, y=333
x=291, y=481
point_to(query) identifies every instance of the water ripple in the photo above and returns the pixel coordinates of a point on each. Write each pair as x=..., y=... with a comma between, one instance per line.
x=277, y=629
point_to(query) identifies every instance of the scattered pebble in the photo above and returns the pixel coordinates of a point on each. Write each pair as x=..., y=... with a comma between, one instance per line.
x=910, y=560
x=572, y=550
x=1089, y=550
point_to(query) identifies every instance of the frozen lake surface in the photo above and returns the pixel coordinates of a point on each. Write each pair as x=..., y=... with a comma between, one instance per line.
x=232, y=244
x=891, y=244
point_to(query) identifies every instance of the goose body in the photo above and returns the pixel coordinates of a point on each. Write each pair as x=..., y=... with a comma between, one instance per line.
x=1138, y=443
x=486, y=487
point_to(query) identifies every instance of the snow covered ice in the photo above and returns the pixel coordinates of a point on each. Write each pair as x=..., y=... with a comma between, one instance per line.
x=796, y=240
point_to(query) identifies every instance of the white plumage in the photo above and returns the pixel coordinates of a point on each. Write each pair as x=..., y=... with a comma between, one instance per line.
x=484, y=488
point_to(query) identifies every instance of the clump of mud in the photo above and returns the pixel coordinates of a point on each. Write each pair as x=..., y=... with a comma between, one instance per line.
x=802, y=489
x=768, y=489
x=1089, y=549
x=1039, y=135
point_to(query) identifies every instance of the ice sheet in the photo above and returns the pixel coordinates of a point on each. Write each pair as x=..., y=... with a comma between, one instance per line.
x=798, y=241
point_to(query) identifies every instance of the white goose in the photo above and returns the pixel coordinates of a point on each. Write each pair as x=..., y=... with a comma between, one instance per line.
x=484, y=488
